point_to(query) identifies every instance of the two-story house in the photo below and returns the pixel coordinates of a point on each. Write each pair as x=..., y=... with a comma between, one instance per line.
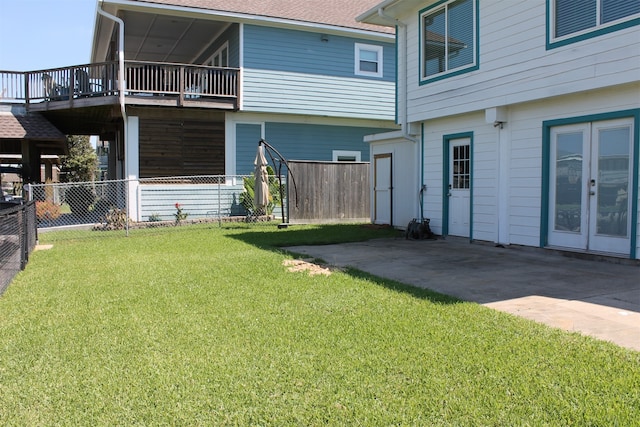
x=189, y=87
x=520, y=122
x=310, y=80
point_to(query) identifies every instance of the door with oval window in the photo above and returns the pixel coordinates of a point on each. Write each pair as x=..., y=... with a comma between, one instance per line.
x=591, y=186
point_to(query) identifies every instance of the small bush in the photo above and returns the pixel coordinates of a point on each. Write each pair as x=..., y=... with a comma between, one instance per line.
x=46, y=210
x=80, y=198
x=246, y=197
x=115, y=219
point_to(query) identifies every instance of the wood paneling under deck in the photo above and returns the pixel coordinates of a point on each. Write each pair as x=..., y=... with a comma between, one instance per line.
x=181, y=147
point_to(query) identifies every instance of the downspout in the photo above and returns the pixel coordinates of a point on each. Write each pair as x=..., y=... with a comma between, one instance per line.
x=402, y=71
x=121, y=89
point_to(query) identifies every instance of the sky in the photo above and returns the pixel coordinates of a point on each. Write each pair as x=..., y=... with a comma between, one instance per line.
x=41, y=34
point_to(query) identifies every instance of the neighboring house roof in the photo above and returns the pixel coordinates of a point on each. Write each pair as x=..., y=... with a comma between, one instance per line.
x=17, y=125
x=341, y=13
x=28, y=126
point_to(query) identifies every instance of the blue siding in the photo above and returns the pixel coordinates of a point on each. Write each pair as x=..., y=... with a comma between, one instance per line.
x=196, y=200
x=294, y=72
x=247, y=138
x=304, y=142
x=231, y=35
x=279, y=49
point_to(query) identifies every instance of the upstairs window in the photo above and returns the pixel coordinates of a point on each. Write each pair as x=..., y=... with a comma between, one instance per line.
x=448, y=39
x=368, y=60
x=221, y=57
x=574, y=20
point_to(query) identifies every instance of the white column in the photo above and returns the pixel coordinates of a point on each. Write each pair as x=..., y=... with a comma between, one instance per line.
x=498, y=117
x=132, y=165
x=230, y=145
x=504, y=189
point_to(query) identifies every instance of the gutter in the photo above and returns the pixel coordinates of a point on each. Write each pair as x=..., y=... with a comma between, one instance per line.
x=121, y=90
x=246, y=17
x=402, y=71
x=120, y=23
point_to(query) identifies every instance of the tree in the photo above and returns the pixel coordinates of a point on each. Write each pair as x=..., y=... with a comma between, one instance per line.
x=79, y=166
x=82, y=162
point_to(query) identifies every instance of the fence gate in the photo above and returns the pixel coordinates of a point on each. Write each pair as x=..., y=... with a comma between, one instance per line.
x=328, y=192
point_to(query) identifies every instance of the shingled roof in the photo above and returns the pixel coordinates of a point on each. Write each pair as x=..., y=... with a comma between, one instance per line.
x=341, y=13
x=28, y=126
x=16, y=125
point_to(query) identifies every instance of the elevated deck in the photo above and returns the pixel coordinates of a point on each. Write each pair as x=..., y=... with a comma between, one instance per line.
x=142, y=83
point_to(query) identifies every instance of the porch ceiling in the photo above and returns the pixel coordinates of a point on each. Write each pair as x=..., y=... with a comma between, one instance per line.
x=97, y=120
x=165, y=38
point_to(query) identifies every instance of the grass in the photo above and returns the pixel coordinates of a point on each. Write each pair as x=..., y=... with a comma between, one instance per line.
x=202, y=325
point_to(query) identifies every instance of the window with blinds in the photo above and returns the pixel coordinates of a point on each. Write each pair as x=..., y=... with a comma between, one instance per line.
x=574, y=20
x=448, y=39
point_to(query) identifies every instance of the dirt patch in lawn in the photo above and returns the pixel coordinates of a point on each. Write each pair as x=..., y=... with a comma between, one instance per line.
x=297, y=265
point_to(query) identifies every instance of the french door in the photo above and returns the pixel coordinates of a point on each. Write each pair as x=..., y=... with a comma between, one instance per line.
x=591, y=186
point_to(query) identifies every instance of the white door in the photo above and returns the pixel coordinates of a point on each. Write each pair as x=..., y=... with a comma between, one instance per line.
x=590, y=186
x=382, y=188
x=459, y=186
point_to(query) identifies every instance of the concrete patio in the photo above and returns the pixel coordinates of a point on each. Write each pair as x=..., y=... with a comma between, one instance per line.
x=596, y=296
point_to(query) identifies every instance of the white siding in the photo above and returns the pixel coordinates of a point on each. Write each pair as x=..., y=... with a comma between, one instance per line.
x=485, y=178
x=525, y=124
x=523, y=136
x=406, y=187
x=484, y=172
x=515, y=66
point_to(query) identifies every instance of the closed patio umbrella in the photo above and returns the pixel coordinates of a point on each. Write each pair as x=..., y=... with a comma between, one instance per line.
x=261, y=187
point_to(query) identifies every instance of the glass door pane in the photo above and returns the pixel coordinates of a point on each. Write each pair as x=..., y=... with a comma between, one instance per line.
x=613, y=182
x=568, y=182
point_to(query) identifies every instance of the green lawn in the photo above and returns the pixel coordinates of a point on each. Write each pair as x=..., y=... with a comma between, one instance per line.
x=201, y=325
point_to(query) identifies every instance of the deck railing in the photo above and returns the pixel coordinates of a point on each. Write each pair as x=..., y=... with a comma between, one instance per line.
x=102, y=79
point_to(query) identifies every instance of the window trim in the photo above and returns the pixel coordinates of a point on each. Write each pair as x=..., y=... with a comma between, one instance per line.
x=595, y=31
x=475, y=65
x=446, y=141
x=346, y=153
x=218, y=53
x=547, y=125
x=359, y=47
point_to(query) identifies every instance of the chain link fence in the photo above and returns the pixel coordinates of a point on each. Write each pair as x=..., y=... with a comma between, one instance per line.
x=18, y=236
x=88, y=208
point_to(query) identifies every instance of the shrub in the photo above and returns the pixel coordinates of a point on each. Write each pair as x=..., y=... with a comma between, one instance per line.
x=116, y=219
x=246, y=197
x=46, y=210
x=80, y=198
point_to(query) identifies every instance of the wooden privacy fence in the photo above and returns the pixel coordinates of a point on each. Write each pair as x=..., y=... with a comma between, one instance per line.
x=328, y=192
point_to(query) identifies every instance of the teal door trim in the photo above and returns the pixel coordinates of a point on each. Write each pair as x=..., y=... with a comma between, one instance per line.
x=546, y=156
x=446, y=141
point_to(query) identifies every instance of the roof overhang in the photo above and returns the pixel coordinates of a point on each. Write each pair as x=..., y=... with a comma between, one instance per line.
x=388, y=11
x=178, y=34
x=17, y=126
